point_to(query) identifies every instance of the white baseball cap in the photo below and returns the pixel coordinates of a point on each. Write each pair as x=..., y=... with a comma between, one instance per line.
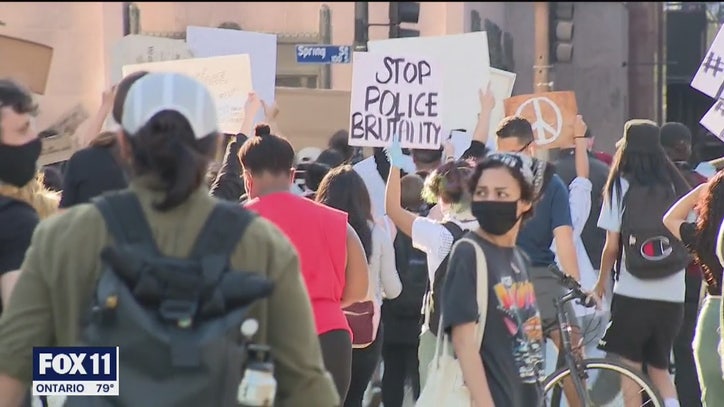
x=156, y=92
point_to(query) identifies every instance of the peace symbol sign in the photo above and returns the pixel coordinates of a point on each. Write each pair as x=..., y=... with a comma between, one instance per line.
x=538, y=109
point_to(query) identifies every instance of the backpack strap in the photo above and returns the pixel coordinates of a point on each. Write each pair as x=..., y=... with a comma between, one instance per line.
x=126, y=220
x=218, y=238
x=455, y=230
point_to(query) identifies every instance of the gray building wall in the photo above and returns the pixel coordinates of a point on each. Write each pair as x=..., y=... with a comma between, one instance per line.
x=597, y=73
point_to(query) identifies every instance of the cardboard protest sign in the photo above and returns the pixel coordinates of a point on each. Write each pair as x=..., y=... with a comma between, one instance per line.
x=713, y=120
x=207, y=42
x=392, y=95
x=60, y=147
x=228, y=79
x=709, y=78
x=26, y=62
x=551, y=115
x=465, y=63
x=139, y=49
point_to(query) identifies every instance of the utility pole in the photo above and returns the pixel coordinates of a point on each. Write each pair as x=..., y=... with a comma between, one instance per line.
x=541, y=69
x=541, y=81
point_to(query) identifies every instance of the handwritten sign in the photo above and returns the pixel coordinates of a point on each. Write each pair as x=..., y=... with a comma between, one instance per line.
x=551, y=115
x=709, y=78
x=140, y=49
x=713, y=120
x=394, y=94
x=465, y=62
x=206, y=42
x=228, y=79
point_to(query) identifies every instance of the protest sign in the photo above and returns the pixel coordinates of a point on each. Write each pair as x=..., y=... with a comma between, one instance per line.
x=207, y=42
x=139, y=49
x=59, y=145
x=395, y=94
x=228, y=79
x=26, y=62
x=551, y=114
x=501, y=83
x=466, y=68
x=709, y=78
x=713, y=120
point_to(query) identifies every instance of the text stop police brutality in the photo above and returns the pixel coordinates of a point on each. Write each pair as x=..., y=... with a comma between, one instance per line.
x=399, y=102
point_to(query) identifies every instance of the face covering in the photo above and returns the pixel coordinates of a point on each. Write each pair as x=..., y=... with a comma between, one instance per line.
x=18, y=164
x=495, y=217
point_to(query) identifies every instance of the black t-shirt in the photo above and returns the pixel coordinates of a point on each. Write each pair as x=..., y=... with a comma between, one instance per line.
x=18, y=221
x=512, y=348
x=89, y=173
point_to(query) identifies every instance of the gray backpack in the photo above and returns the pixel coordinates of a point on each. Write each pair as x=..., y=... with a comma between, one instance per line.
x=176, y=321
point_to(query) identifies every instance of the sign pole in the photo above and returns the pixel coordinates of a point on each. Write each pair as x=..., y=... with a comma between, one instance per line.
x=541, y=82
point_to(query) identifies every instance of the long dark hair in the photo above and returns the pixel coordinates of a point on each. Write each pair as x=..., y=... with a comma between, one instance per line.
x=166, y=148
x=342, y=188
x=649, y=168
x=711, y=212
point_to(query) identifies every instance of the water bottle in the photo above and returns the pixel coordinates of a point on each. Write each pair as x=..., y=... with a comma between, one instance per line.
x=258, y=386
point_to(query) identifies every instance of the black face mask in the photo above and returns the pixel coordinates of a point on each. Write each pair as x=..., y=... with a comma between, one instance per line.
x=18, y=164
x=495, y=217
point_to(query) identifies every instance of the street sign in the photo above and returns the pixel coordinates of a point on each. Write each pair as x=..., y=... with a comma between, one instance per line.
x=324, y=54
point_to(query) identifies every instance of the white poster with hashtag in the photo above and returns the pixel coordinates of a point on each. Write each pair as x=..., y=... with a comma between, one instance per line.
x=709, y=79
x=713, y=120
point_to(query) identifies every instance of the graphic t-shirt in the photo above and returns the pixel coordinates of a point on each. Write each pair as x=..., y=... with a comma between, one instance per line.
x=512, y=348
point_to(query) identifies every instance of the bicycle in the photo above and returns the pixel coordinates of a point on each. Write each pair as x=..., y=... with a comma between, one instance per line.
x=553, y=384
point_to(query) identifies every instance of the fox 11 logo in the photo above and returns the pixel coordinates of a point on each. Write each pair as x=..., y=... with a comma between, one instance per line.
x=75, y=371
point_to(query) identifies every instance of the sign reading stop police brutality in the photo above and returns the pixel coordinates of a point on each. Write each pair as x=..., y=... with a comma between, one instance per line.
x=551, y=115
x=395, y=94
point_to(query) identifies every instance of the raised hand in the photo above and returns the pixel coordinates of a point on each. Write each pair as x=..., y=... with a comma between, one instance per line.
x=394, y=153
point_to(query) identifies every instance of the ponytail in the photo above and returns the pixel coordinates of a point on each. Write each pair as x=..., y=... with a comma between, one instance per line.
x=167, y=149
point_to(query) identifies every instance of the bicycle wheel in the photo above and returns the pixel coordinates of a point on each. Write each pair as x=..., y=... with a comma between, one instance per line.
x=605, y=389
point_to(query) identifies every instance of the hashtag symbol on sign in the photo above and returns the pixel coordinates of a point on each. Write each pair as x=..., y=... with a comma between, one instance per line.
x=715, y=65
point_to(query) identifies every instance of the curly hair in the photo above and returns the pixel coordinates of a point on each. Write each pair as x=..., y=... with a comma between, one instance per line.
x=449, y=183
x=35, y=194
x=710, y=209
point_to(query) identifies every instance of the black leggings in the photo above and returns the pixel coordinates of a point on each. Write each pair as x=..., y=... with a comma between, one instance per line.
x=364, y=363
x=401, y=363
x=337, y=355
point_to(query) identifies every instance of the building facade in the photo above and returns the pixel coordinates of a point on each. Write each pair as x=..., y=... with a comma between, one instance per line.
x=82, y=35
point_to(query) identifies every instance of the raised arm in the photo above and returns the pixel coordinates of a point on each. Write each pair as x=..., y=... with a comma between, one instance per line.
x=96, y=122
x=579, y=131
x=478, y=145
x=679, y=212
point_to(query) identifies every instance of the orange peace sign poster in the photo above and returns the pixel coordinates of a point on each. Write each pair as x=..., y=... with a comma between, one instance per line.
x=551, y=115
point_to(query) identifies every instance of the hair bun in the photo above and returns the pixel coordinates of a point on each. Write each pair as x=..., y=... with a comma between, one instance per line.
x=262, y=130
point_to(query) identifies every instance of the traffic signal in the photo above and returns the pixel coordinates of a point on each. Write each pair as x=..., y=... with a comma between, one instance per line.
x=561, y=31
x=361, y=25
x=404, y=12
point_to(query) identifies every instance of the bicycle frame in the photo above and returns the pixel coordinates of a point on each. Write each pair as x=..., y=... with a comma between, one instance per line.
x=572, y=362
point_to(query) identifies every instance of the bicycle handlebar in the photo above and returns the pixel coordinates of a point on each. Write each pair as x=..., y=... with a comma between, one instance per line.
x=574, y=286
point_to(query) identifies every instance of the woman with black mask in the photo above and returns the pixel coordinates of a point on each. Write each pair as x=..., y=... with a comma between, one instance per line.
x=505, y=368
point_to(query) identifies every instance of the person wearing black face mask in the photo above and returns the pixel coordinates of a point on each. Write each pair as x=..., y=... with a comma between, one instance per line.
x=502, y=198
x=19, y=151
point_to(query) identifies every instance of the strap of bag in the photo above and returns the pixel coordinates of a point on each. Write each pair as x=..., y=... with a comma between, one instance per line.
x=218, y=238
x=126, y=220
x=481, y=267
